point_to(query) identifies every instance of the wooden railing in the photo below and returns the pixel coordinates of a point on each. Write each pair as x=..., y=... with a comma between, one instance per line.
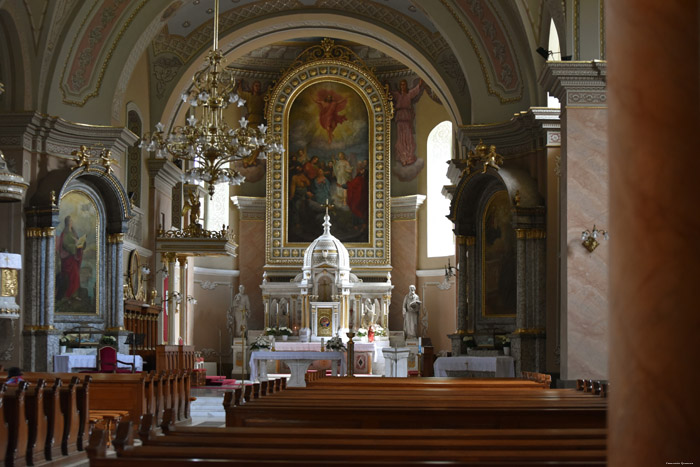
x=174, y=357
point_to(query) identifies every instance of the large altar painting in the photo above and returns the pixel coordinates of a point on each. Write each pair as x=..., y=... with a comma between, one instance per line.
x=77, y=255
x=328, y=148
x=498, y=258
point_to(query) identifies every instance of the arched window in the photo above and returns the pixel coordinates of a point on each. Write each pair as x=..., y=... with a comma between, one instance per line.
x=133, y=161
x=556, y=52
x=440, y=237
x=217, y=208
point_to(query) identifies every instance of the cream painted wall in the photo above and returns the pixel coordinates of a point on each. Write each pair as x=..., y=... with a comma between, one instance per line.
x=441, y=306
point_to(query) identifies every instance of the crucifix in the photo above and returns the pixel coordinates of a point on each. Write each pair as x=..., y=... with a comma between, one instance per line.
x=328, y=205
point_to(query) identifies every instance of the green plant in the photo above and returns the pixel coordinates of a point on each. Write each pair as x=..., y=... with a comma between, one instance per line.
x=108, y=340
x=361, y=332
x=469, y=341
x=378, y=330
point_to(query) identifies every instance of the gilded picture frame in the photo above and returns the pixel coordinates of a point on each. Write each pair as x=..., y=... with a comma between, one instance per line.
x=78, y=254
x=298, y=114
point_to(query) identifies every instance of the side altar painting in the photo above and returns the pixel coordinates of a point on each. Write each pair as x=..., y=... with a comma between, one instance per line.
x=328, y=162
x=499, y=258
x=77, y=255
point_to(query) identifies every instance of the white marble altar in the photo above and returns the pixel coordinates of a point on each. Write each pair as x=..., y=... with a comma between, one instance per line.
x=298, y=363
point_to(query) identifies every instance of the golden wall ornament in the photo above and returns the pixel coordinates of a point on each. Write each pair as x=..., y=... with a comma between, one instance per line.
x=483, y=157
x=9, y=285
x=325, y=88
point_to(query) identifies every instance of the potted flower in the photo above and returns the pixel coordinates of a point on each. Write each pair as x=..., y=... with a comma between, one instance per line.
x=63, y=342
x=270, y=331
x=261, y=344
x=505, y=342
x=110, y=341
x=335, y=344
x=284, y=332
x=379, y=332
x=469, y=342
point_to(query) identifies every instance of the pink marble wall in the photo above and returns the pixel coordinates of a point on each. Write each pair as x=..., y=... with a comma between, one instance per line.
x=585, y=339
x=404, y=261
x=251, y=259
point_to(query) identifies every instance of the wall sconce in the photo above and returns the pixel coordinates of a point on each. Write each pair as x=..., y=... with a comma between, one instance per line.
x=589, y=238
x=450, y=271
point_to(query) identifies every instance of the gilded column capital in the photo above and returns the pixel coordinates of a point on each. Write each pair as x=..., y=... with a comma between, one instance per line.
x=40, y=232
x=530, y=234
x=115, y=238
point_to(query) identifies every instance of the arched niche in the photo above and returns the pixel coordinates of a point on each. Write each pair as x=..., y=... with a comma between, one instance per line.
x=510, y=197
x=99, y=204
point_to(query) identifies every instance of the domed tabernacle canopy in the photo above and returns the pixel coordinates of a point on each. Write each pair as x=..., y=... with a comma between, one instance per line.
x=326, y=250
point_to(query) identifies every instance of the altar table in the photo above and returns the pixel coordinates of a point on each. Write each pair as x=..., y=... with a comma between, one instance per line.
x=504, y=367
x=65, y=363
x=298, y=363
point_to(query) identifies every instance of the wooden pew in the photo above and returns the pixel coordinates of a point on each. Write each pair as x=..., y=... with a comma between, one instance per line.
x=4, y=435
x=17, y=427
x=407, y=446
x=36, y=422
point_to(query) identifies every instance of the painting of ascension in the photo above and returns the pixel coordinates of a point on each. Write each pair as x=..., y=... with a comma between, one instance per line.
x=328, y=160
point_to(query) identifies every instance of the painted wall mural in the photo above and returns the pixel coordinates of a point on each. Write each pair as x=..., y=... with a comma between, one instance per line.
x=499, y=258
x=77, y=255
x=328, y=147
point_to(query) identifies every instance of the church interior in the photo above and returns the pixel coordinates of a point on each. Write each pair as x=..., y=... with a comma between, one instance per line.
x=187, y=182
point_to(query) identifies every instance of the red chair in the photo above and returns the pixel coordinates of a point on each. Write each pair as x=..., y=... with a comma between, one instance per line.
x=107, y=361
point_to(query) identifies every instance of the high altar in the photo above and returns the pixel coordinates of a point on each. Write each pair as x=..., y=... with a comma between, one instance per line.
x=326, y=298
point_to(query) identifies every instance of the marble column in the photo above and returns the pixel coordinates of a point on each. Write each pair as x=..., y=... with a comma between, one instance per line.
x=40, y=338
x=654, y=96
x=172, y=288
x=581, y=90
x=114, y=290
x=184, y=304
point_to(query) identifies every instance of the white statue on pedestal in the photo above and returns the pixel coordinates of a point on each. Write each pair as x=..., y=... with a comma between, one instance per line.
x=241, y=310
x=411, y=311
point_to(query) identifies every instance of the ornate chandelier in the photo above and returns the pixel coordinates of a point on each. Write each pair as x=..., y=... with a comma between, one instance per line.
x=206, y=145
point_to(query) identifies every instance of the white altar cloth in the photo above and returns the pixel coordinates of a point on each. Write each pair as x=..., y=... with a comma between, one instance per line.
x=298, y=363
x=503, y=366
x=65, y=363
x=286, y=346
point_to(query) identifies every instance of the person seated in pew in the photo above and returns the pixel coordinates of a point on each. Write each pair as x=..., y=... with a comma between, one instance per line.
x=14, y=376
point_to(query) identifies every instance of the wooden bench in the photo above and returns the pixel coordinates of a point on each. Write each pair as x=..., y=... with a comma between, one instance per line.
x=357, y=447
x=52, y=418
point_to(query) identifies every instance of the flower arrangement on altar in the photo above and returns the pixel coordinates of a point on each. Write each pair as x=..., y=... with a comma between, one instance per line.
x=261, y=344
x=361, y=332
x=335, y=344
x=469, y=341
x=378, y=330
x=284, y=331
x=108, y=340
x=270, y=331
x=505, y=341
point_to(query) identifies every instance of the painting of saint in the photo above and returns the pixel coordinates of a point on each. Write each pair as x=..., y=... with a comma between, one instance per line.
x=499, y=258
x=77, y=255
x=328, y=147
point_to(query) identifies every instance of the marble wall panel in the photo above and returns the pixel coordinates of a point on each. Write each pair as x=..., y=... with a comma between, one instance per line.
x=251, y=259
x=404, y=262
x=585, y=353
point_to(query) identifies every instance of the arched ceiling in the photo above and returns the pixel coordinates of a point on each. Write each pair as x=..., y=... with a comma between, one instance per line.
x=476, y=55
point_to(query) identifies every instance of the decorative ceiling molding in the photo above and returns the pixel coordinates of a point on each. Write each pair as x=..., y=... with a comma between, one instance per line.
x=496, y=43
x=87, y=53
